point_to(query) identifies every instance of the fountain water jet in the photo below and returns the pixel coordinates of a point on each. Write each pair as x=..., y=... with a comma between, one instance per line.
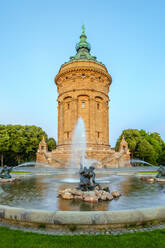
x=33, y=164
x=140, y=162
x=78, y=149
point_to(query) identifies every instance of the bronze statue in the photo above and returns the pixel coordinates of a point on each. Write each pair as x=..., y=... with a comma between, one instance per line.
x=5, y=172
x=87, y=178
x=161, y=172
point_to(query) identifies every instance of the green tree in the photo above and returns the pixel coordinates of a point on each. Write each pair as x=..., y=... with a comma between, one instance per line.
x=145, y=151
x=4, y=142
x=51, y=144
x=132, y=136
x=161, y=159
x=18, y=141
x=144, y=145
x=33, y=136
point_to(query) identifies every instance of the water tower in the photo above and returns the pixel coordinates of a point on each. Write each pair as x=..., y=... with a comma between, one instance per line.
x=83, y=85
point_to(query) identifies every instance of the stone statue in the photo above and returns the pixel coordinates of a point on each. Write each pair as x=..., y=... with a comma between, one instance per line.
x=84, y=179
x=87, y=178
x=5, y=172
x=161, y=172
x=92, y=176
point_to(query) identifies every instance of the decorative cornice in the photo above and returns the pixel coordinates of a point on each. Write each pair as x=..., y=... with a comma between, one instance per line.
x=83, y=68
x=82, y=61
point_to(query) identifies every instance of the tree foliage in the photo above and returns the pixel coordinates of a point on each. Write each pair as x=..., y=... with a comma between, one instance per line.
x=20, y=143
x=51, y=144
x=146, y=146
x=4, y=142
x=161, y=159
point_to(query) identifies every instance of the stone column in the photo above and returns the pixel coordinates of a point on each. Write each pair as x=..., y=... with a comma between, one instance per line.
x=92, y=136
x=61, y=124
x=104, y=124
x=107, y=124
x=74, y=113
x=59, y=121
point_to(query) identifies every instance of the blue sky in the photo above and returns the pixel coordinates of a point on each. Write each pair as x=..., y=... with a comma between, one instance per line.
x=37, y=36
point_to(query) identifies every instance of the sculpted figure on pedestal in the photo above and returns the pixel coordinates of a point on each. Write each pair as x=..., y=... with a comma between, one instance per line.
x=161, y=172
x=5, y=172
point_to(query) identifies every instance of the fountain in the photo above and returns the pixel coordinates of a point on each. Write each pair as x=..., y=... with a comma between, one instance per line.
x=88, y=190
x=58, y=197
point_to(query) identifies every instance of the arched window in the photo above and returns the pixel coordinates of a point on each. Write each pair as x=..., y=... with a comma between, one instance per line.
x=98, y=105
x=83, y=105
x=99, y=101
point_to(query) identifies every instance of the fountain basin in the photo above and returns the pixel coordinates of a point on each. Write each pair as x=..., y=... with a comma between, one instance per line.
x=39, y=189
x=33, y=201
x=93, y=219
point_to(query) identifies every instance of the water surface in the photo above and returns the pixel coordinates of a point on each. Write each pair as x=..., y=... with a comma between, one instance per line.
x=41, y=192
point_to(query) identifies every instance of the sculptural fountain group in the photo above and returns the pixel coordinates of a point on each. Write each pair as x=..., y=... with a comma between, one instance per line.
x=88, y=189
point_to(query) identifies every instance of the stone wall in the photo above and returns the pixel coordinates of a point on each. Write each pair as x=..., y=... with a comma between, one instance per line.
x=83, y=92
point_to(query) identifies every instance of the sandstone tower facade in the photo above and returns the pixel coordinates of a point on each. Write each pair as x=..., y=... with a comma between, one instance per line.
x=83, y=85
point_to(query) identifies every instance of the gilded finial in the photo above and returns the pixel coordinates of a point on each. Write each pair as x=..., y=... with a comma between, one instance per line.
x=83, y=29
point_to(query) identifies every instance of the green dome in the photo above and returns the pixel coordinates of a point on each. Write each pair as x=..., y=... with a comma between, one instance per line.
x=83, y=49
x=83, y=43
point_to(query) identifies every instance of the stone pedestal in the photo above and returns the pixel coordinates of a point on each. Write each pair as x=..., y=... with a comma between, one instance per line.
x=88, y=196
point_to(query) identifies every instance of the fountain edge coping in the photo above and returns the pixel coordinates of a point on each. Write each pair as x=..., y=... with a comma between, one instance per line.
x=140, y=215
